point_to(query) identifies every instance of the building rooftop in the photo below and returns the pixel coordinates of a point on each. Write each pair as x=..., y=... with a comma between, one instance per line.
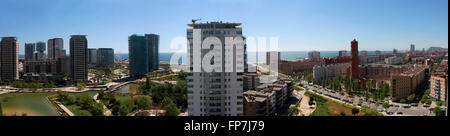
x=78, y=35
x=215, y=25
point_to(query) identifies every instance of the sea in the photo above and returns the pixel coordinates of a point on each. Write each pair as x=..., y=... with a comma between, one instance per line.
x=259, y=57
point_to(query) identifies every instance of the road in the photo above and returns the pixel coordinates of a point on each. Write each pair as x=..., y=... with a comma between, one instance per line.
x=397, y=109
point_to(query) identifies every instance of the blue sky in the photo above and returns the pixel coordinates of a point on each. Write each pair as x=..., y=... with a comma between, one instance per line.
x=299, y=24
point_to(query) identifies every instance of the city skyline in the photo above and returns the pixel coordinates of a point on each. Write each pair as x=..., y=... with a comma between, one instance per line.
x=300, y=25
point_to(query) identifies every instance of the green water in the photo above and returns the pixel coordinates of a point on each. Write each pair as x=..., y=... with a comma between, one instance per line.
x=32, y=104
x=129, y=88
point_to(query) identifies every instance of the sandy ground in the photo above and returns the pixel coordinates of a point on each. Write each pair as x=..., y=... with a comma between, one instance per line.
x=304, y=107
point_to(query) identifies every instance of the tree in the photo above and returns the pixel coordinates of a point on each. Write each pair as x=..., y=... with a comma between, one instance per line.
x=369, y=85
x=62, y=96
x=293, y=111
x=96, y=109
x=347, y=85
x=81, y=86
x=437, y=111
x=86, y=101
x=439, y=103
x=428, y=101
x=411, y=98
x=144, y=102
x=70, y=100
x=115, y=109
x=402, y=101
x=386, y=105
x=355, y=111
x=172, y=110
x=123, y=110
x=394, y=99
x=165, y=102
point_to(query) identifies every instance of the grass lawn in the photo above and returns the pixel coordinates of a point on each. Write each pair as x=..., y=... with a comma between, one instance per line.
x=322, y=110
x=326, y=107
x=133, y=88
x=171, y=77
x=78, y=111
x=123, y=97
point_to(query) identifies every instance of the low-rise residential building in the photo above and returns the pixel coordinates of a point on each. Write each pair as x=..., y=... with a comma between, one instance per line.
x=381, y=70
x=327, y=72
x=394, y=60
x=268, y=99
x=338, y=60
x=404, y=84
x=251, y=81
x=299, y=65
x=368, y=59
x=259, y=103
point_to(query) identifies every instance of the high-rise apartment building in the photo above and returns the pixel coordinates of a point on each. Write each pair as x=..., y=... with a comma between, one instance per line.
x=78, y=57
x=343, y=53
x=314, y=55
x=105, y=57
x=215, y=93
x=268, y=59
x=413, y=48
x=55, y=48
x=354, y=68
x=30, y=48
x=377, y=52
x=138, y=51
x=9, y=58
x=439, y=86
x=40, y=48
x=92, y=56
x=152, y=41
x=137, y=45
x=364, y=53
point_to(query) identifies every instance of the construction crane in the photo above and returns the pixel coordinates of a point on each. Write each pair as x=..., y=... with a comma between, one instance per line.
x=195, y=20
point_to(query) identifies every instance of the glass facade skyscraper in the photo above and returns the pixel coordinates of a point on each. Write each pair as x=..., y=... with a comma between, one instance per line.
x=105, y=57
x=78, y=57
x=144, y=54
x=9, y=58
x=138, y=52
x=152, y=41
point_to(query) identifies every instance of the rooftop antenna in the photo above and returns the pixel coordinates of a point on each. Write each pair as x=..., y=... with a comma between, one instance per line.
x=195, y=20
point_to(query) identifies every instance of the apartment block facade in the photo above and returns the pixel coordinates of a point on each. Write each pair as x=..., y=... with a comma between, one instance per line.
x=220, y=92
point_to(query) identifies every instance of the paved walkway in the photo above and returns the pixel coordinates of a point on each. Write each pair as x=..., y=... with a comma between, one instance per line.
x=107, y=111
x=64, y=108
x=9, y=89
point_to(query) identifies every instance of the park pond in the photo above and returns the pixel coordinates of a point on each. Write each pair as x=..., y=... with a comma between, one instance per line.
x=31, y=104
x=129, y=88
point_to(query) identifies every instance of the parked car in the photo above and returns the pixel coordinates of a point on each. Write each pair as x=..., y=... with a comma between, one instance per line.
x=400, y=113
x=414, y=104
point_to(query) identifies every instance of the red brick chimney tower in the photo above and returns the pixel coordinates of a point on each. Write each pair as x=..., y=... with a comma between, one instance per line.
x=354, y=69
